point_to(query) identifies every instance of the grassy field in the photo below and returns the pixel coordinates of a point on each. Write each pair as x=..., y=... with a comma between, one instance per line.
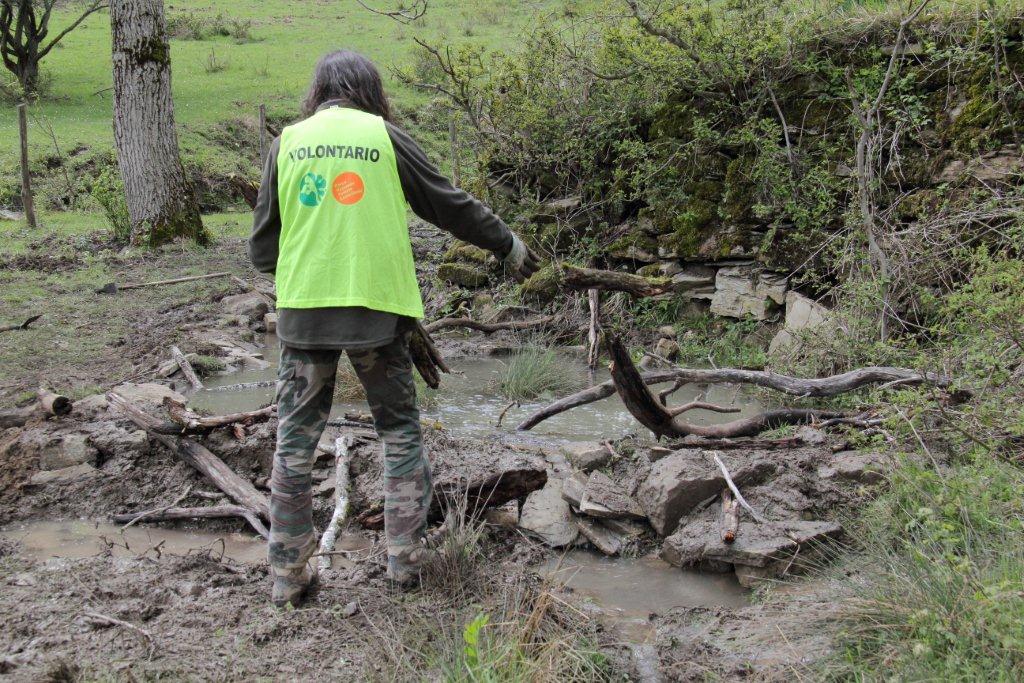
x=268, y=59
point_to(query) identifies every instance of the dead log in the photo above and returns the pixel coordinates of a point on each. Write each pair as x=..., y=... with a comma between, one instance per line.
x=466, y=473
x=734, y=444
x=176, y=513
x=630, y=385
x=187, y=421
x=19, y=417
x=730, y=516
x=186, y=368
x=594, y=304
x=580, y=398
x=52, y=403
x=488, y=328
x=22, y=326
x=200, y=458
x=736, y=492
x=818, y=387
x=639, y=286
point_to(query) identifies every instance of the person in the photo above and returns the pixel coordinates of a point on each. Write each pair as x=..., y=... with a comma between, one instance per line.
x=330, y=225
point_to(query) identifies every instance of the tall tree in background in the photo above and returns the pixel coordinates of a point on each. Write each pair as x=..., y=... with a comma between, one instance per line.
x=161, y=204
x=24, y=27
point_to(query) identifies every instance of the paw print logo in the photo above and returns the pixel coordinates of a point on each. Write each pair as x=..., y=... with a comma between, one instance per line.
x=312, y=188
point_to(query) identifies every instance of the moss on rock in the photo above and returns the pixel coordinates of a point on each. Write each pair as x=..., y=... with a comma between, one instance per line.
x=462, y=274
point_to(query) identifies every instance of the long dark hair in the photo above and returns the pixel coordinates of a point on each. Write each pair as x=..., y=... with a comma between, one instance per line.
x=350, y=77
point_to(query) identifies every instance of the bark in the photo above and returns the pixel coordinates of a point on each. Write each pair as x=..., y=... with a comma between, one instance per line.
x=342, y=445
x=161, y=205
x=649, y=412
x=220, y=475
x=819, y=387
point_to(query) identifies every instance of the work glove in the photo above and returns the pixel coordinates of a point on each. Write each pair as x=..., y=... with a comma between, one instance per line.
x=520, y=260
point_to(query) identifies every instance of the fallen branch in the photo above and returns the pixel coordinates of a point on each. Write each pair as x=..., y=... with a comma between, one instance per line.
x=191, y=422
x=745, y=444
x=245, y=386
x=22, y=326
x=631, y=387
x=104, y=620
x=580, y=398
x=114, y=288
x=220, y=475
x=214, y=512
x=487, y=328
x=594, y=304
x=730, y=517
x=639, y=286
x=186, y=368
x=702, y=405
x=504, y=411
x=736, y=492
x=251, y=286
x=341, y=446
x=150, y=513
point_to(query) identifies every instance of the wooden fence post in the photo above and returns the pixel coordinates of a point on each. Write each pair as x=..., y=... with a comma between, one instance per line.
x=26, y=180
x=263, y=135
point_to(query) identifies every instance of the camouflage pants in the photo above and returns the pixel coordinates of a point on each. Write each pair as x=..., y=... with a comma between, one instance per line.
x=305, y=391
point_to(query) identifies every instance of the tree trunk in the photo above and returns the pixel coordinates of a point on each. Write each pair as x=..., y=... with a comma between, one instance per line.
x=28, y=77
x=161, y=205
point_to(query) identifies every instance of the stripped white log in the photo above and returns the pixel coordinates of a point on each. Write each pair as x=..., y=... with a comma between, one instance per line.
x=736, y=492
x=341, y=447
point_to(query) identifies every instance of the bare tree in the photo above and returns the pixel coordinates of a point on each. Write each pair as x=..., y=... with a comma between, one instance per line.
x=24, y=28
x=161, y=204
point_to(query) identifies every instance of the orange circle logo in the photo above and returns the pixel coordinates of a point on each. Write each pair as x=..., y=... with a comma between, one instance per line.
x=348, y=188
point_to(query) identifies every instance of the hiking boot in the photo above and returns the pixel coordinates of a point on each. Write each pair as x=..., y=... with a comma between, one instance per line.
x=292, y=585
x=405, y=568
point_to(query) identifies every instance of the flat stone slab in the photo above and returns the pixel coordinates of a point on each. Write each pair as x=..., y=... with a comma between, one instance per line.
x=547, y=515
x=770, y=548
x=600, y=536
x=602, y=497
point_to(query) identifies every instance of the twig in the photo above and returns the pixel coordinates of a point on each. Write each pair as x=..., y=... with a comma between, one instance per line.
x=149, y=513
x=736, y=492
x=22, y=326
x=105, y=620
x=512, y=404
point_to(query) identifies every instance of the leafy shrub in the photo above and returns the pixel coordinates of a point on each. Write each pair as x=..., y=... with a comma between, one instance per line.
x=197, y=26
x=215, y=64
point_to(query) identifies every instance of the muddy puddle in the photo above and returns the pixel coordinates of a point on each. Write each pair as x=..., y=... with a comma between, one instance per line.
x=468, y=402
x=629, y=590
x=74, y=539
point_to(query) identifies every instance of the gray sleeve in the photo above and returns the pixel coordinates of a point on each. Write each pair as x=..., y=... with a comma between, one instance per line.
x=434, y=199
x=266, y=217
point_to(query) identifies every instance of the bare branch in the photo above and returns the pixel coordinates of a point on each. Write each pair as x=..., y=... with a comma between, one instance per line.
x=403, y=15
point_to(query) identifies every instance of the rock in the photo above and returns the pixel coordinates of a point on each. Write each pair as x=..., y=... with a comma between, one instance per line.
x=694, y=280
x=506, y=515
x=683, y=480
x=602, y=497
x=91, y=407
x=667, y=332
x=252, y=305
x=114, y=441
x=603, y=538
x=547, y=515
x=67, y=451
x=667, y=349
x=811, y=435
x=189, y=589
x=462, y=274
x=863, y=468
x=573, y=487
x=349, y=610
x=760, y=551
x=149, y=395
x=587, y=457
x=625, y=528
x=742, y=291
x=656, y=453
x=66, y=475
x=802, y=314
x=270, y=323
x=549, y=212
x=8, y=215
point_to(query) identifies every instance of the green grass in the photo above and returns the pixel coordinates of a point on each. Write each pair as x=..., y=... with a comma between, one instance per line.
x=273, y=66
x=535, y=372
